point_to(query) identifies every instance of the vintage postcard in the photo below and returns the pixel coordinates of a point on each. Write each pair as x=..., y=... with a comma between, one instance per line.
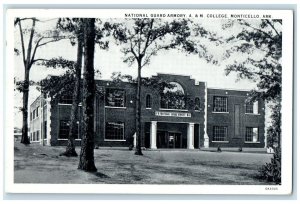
x=155, y=101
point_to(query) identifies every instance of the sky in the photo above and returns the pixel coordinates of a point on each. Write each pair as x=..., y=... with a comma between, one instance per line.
x=111, y=60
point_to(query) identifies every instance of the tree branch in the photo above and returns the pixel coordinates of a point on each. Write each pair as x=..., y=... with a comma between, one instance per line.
x=148, y=37
x=22, y=42
x=272, y=26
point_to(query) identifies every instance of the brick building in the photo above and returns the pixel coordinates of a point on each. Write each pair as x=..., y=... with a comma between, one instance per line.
x=187, y=115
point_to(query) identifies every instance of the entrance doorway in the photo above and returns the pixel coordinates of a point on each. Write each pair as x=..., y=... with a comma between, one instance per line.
x=167, y=139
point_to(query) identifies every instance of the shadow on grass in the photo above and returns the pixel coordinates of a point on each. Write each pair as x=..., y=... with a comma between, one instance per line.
x=100, y=175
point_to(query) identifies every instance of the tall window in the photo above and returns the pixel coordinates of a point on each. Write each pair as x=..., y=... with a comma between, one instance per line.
x=37, y=111
x=33, y=114
x=252, y=107
x=148, y=101
x=114, y=131
x=37, y=135
x=115, y=98
x=220, y=133
x=174, y=97
x=30, y=115
x=197, y=104
x=66, y=99
x=251, y=134
x=64, y=128
x=45, y=130
x=220, y=104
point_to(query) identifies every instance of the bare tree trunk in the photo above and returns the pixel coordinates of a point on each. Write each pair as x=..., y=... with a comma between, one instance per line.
x=25, y=138
x=27, y=65
x=87, y=145
x=138, y=150
x=70, y=149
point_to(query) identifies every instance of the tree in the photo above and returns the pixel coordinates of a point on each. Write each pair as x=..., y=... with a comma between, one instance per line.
x=87, y=145
x=260, y=44
x=75, y=26
x=144, y=38
x=35, y=41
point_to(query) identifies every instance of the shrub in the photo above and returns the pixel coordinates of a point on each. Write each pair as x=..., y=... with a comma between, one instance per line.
x=272, y=171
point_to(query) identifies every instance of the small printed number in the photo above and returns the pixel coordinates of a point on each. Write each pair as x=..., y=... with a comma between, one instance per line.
x=271, y=188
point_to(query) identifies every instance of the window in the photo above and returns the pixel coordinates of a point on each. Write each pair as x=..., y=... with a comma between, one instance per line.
x=252, y=107
x=45, y=130
x=220, y=133
x=197, y=104
x=148, y=101
x=33, y=114
x=66, y=99
x=37, y=111
x=173, y=98
x=64, y=128
x=30, y=116
x=220, y=104
x=251, y=134
x=115, y=98
x=37, y=135
x=33, y=137
x=114, y=131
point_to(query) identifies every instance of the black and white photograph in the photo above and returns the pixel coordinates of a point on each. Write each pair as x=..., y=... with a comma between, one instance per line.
x=151, y=100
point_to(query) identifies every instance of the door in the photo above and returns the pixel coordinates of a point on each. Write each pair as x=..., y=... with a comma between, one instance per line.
x=174, y=140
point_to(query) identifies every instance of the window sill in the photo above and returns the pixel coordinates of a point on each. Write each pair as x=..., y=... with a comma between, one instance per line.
x=148, y=108
x=220, y=141
x=64, y=104
x=62, y=139
x=113, y=107
x=165, y=109
x=252, y=114
x=67, y=104
x=108, y=140
x=252, y=142
x=221, y=112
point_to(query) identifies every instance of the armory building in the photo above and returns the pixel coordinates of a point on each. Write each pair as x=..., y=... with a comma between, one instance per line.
x=187, y=115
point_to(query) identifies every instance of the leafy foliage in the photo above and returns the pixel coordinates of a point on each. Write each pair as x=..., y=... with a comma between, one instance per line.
x=274, y=131
x=272, y=171
x=262, y=43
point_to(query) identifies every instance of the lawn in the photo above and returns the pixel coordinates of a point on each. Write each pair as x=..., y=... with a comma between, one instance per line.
x=38, y=164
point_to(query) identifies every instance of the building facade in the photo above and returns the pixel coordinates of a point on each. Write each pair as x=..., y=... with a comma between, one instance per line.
x=185, y=114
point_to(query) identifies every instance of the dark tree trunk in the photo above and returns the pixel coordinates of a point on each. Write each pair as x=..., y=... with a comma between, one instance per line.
x=86, y=161
x=138, y=150
x=70, y=149
x=25, y=138
x=27, y=65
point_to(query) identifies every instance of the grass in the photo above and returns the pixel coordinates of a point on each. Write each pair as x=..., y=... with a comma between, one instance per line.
x=38, y=164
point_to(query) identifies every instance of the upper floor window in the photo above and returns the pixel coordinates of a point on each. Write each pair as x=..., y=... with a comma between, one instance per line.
x=33, y=114
x=252, y=107
x=37, y=111
x=174, y=97
x=148, y=101
x=251, y=134
x=66, y=99
x=30, y=115
x=197, y=104
x=115, y=98
x=220, y=104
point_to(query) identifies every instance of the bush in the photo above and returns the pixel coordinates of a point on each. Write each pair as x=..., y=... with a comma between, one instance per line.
x=272, y=171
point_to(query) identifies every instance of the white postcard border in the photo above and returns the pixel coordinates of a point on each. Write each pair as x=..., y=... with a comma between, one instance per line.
x=287, y=108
